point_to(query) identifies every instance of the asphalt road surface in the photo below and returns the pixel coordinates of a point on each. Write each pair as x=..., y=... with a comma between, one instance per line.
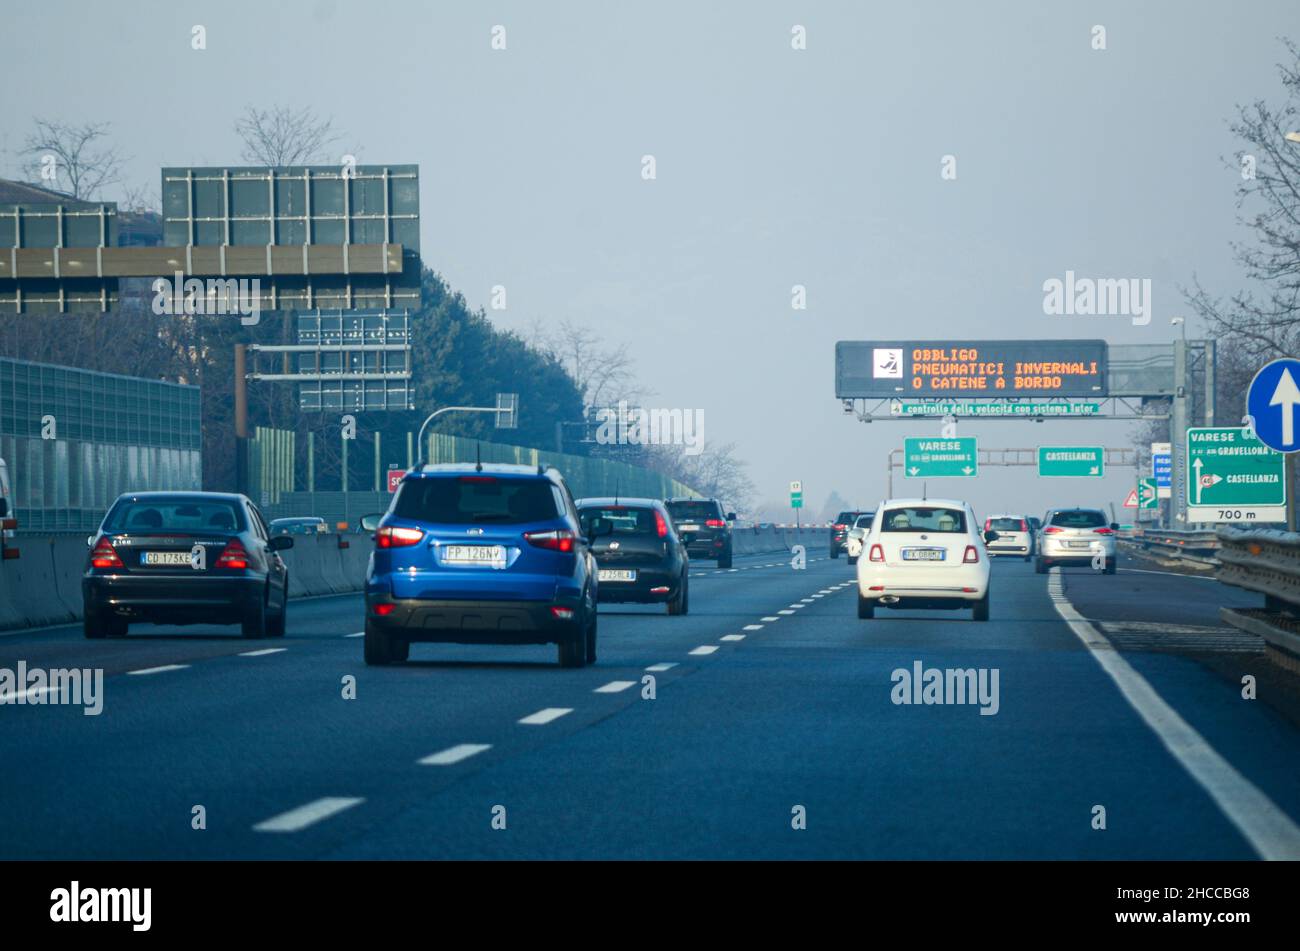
x=773, y=707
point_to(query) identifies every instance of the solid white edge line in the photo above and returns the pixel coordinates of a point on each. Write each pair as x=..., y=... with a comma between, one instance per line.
x=263, y=652
x=1268, y=829
x=298, y=819
x=454, y=754
x=545, y=715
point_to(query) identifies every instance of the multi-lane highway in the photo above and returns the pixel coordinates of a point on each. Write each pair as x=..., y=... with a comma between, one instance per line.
x=771, y=707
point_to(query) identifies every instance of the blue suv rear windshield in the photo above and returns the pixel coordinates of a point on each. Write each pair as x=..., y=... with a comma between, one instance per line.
x=477, y=500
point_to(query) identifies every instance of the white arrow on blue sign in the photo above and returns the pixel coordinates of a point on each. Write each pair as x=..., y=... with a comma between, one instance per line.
x=1273, y=401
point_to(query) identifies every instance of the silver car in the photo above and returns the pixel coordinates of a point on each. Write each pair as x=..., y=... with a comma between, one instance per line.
x=1077, y=537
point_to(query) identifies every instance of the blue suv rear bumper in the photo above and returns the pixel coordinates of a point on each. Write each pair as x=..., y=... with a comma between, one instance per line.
x=473, y=622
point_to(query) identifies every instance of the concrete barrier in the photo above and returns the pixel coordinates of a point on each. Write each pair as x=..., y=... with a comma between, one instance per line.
x=305, y=572
x=331, y=557
x=9, y=616
x=69, y=565
x=43, y=586
x=32, y=587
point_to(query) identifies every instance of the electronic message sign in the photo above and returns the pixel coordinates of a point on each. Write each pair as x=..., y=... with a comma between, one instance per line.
x=996, y=369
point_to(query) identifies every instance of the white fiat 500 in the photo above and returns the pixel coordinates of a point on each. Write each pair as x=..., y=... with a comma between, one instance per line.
x=924, y=553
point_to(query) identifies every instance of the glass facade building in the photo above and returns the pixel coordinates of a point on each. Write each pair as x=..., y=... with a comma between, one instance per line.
x=74, y=440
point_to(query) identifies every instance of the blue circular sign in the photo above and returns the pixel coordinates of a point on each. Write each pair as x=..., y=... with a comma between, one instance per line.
x=1273, y=402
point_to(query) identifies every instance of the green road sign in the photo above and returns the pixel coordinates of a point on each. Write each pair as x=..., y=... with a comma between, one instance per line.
x=796, y=494
x=1148, y=498
x=1087, y=461
x=1233, y=477
x=925, y=458
x=796, y=501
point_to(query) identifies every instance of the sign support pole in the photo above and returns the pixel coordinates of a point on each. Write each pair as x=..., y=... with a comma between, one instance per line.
x=1290, y=492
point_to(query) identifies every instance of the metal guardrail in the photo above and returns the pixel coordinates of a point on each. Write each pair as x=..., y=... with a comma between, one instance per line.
x=1267, y=561
x=1195, y=547
x=1263, y=560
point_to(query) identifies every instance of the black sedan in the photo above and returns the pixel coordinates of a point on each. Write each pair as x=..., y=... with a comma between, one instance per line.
x=185, y=558
x=642, y=560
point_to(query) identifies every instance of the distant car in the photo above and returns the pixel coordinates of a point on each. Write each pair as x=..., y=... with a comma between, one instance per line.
x=840, y=530
x=1015, y=537
x=185, y=558
x=308, y=525
x=703, y=528
x=853, y=545
x=1075, y=537
x=641, y=560
x=924, y=553
x=481, y=554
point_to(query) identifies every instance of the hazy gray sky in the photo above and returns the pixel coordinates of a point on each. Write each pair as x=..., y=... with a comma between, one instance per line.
x=775, y=167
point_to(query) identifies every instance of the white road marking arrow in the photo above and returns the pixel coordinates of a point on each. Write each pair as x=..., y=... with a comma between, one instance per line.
x=1287, y=396
x=967, y=470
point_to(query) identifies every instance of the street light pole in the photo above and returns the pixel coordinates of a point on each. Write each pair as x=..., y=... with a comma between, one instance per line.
x=447, y=409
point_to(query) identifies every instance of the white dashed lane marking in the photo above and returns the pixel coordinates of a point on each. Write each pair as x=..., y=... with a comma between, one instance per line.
x=264, y=651
x=733, y=637
x=615, y=686
x=455, y=754
x=156, y=670
x=542, y=717
x=753, y=627
x=313, y=812
x=705, y=649
x=660, y=668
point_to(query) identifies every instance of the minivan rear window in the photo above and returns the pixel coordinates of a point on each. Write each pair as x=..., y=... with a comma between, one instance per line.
x=923, y=519
x=686, y=511
x=1080, y=519
x=476, y=500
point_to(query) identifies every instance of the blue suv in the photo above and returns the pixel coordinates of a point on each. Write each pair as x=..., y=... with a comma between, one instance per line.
x=481, y=554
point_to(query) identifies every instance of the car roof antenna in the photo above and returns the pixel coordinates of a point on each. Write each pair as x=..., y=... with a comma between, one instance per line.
x=478, y=457
x=924, y=490
x=616, y=492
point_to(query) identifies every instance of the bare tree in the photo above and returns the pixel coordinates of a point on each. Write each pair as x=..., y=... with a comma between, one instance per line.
x=284, y=136
x=1264, y=322
x=78, y=157
x=140, y=198
x=717, y=472
x=604, y=374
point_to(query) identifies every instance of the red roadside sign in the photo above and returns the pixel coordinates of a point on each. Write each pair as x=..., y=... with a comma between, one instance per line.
x=395, y=478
